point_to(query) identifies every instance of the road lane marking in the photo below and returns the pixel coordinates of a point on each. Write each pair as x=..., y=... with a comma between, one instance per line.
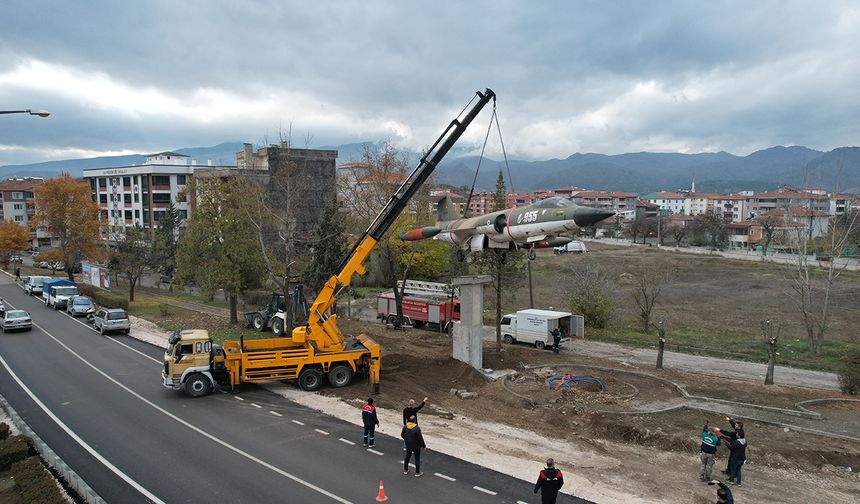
x=347, y=441
x=371, y=450
x=488, y=492
x=521, y=502
x=193, y=427
x=256, y=405
x=324, y=433
x=137, y=486
x=444, y=477
x=298, y=422
x=238, y=398
x=276, y=413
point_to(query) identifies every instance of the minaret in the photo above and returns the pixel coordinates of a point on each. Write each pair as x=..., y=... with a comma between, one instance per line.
x=693, y=186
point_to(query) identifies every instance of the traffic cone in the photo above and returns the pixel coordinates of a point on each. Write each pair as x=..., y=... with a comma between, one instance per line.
x=381, y=497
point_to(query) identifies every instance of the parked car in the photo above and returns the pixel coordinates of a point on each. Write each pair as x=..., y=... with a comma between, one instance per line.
x=33, y=285
x=17, y=259
x=108, y=320
x=576, y=247
x=80, y=306
x=44, y=264
x=14, y=320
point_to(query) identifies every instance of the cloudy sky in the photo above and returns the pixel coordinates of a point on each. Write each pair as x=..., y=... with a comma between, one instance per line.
x=571, y=76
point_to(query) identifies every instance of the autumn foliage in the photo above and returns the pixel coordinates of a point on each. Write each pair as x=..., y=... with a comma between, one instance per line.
x=13, y=238
x=67, y=209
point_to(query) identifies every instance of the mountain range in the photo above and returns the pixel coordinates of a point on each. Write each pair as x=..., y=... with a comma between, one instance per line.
x=838, y=169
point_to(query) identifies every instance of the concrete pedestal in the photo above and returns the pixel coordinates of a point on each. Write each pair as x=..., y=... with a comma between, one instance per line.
x=469, y=331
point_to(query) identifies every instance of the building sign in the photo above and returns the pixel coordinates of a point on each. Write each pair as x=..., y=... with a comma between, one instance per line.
x=95, y=275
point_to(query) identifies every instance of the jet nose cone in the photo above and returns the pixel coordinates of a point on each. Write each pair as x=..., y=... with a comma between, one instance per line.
x=586, y=216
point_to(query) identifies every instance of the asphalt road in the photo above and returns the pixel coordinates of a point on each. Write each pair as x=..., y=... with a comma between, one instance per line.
x=98, y=402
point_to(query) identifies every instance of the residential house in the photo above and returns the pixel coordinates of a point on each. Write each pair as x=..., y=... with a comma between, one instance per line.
x=19, y=205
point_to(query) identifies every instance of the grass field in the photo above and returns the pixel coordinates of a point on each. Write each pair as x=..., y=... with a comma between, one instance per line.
x=712, y=306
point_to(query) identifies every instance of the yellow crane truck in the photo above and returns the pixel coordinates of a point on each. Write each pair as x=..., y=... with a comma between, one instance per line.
x=317, y=350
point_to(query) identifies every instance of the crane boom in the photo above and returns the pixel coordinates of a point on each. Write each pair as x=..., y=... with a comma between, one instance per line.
x=322, y=330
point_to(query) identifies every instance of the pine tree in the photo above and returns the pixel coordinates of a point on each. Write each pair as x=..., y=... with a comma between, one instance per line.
x=329, y=247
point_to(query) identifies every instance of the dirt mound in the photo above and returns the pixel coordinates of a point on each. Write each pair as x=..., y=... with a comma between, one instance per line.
x=432, y=374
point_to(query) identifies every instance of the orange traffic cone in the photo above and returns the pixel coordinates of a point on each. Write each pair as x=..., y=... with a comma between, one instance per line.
x=381, y=497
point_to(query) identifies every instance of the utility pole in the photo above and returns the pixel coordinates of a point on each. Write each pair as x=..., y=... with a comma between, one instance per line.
x=659, y=218
x=531, y=296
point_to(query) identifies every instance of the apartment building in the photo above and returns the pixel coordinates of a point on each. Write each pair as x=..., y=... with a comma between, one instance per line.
x=19, y=206
x=670, y=203
x=622, y=203
x=138, y=195
x=785, y=197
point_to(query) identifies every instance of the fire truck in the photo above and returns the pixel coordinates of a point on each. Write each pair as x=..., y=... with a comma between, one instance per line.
x=430, y=304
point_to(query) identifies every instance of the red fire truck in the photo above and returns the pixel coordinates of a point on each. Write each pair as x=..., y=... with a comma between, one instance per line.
x=424, y=304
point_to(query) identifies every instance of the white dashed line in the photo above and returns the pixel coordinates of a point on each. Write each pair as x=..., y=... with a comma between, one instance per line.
x=238, y=398
x=489, y=492
x=347, y=441
x=298, y=423
x=256, y=405
x=371, y=450
x=444, y=477
x=276, y=413
x=324, y=433
x=521, y=502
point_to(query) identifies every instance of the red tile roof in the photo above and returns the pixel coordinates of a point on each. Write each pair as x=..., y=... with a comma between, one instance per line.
x=20, y=185
x=604, y=194
x=668, y=195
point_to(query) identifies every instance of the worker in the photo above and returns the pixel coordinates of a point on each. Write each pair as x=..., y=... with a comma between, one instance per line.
x=556, y=340
x=710, y=441
x=738, y=457
x=730, y=436
x=724, y=493
x=411, y=410
x=371, y=422
x=411, y=435
x=549, y=482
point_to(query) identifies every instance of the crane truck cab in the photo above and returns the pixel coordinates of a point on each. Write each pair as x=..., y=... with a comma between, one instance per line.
x=193, y=363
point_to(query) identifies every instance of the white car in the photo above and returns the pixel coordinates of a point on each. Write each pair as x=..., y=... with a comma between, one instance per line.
x=14, y=320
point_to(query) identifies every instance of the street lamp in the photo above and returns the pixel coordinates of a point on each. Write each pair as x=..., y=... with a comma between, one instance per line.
x=40, y=113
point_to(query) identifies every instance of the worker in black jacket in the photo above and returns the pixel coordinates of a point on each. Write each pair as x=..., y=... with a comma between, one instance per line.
x=724, y=493
x=549, y=482
x=730, y=436
x=370, y=421
x=411, y=435
x=412, y=411
x=738, y=457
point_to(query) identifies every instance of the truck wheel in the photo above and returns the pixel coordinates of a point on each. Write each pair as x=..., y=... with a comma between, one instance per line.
x=340, y=376
x=310, y=379
x=102, y=330
x=198, y=385
x=392, y=319
x=540, y=345
x=259, y=323
x=278, y=327
x=508, y=339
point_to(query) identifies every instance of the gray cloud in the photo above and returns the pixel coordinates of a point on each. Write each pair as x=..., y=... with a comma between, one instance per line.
x=571, y=76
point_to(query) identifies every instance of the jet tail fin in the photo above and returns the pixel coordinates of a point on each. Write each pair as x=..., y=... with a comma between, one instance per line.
x=446, y=210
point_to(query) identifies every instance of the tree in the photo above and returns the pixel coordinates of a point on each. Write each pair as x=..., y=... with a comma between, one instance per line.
x=133, y=256
x=220, y=238
x=812, y=286
x=637, y=227
x=591, y=294
x=66, y=207
x=505, y=267
x=661, y=342
x=768, y=222
x=714, y=226
x=52, y=256
x=164, y=243
x=770, y=333
x=648, y=283
x=13, y=238
x=329, y=247
x=679, y=231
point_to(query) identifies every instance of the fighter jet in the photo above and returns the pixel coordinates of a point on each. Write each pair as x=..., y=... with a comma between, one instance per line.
x=547, y=223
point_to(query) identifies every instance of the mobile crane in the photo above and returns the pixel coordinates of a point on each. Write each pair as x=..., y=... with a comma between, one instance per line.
x=193, y=363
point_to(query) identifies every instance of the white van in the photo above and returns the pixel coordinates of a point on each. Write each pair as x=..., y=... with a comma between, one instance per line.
x=536, y=326
x=33, y=285
x=576, y=247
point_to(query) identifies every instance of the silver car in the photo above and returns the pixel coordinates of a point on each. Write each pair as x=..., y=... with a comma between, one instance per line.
x=111, y=320
x=80, y=306
x=14, y=320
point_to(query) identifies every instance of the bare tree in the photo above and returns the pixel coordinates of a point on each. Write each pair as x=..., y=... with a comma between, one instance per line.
x=770, y=333
x=661, y=342
x=648, y=283
x=679, y=231
x=812, y=285
x=769, y=223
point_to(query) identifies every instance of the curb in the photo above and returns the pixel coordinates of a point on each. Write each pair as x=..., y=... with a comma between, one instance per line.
x=52, y=459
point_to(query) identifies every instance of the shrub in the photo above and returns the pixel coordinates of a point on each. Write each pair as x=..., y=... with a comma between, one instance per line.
x=35, y=484
x=591, y=295
x=12, y=450
x=849, y=374
x=103, y=297
x=4, y=430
